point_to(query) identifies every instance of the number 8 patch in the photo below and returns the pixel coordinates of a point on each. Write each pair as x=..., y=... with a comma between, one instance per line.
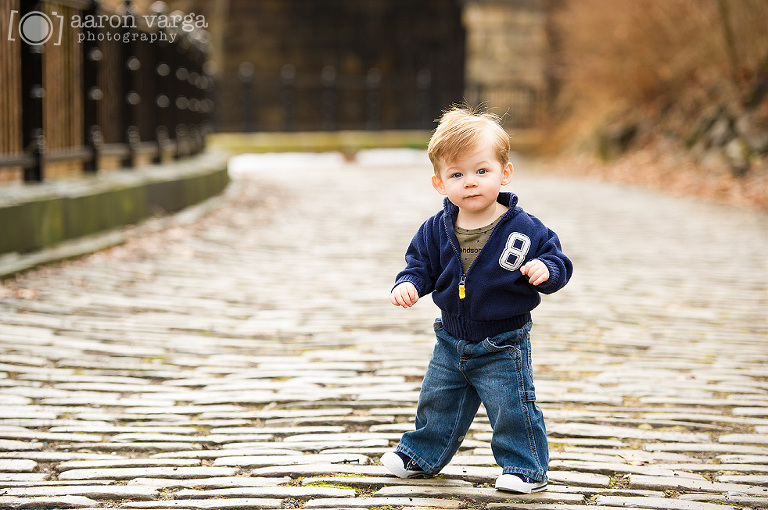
x=515, y=251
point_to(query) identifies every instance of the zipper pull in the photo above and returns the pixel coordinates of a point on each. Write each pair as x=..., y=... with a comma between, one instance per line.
x=462, y=289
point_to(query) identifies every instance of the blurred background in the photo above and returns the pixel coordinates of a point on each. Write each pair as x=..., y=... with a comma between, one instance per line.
x=664, y=93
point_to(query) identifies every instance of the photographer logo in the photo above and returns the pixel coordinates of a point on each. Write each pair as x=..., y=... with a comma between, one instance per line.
x=35, y=27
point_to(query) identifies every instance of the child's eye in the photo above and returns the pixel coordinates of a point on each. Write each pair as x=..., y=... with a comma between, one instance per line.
x=482, y=171
x=456, y=175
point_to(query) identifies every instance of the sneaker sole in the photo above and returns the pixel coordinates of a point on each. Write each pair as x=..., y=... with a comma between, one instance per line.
x=540, y=488
x=394, y=463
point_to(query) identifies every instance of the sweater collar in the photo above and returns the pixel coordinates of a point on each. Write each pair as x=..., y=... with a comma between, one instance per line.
x=505, y=198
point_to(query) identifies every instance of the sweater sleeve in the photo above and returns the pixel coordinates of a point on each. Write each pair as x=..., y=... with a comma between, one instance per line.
x=418, y=268
x=559, y=265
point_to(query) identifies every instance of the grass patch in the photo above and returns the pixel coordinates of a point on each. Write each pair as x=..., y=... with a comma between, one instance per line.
x=347, y=142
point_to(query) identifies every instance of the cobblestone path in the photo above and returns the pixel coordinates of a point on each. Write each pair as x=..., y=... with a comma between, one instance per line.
x=252, y=360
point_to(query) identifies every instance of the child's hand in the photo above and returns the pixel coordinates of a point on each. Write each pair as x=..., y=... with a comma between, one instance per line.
x=404, y=295
x=536, y=271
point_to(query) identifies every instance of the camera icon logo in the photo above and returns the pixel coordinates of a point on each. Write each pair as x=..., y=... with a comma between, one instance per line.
x=36, y=27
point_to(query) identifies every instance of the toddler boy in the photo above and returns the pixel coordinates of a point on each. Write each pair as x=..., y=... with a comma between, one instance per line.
x=485, y=261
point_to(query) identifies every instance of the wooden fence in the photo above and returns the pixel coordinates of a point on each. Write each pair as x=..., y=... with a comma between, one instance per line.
x=84, y=89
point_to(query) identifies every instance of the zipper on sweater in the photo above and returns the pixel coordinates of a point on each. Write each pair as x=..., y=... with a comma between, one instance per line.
x=462, y=288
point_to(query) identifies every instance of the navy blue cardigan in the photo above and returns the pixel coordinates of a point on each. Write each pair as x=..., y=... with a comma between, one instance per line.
x=496, y=295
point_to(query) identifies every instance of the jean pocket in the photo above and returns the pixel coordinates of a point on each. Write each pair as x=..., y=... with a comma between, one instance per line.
x=507, y=341
x=517, y=345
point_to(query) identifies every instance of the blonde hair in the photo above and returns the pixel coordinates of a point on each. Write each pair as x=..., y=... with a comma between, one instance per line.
x=462, y=129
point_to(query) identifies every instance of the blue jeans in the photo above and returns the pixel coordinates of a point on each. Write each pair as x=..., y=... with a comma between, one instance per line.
x=461, y=374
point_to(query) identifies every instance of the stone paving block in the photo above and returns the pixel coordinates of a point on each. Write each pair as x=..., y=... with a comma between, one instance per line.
x=709, y=447
x=375, y=502
x=31, y=435
x=320, y=469
x=744, y=438
x=267, y=448
x=658, y=503
x=105, y=400
x=579, y=479
x=213, y=504
x=133, y=447
x=12, y=503
x=306, y=492
x=628, y=455
x=375, y=481
x=108, y=428
x=613, y=468
x=95, y=492
x=666, y=483
x=544, y=506
x=277, y=430
x=312, y=446
x=349, y=437
x=750, y=411
x=13, y=400
x=583, y=429
x=474, y=493
x=17, y=465
x=745, y=479
x=183, y=409
x=210, y=483
x=22, y=477
x=736, y=499
x=251, y=461
x=122, y=462
x=159, y=472
x=713, y=468
x=560, y=442
x=163, y=438
x=475, y=474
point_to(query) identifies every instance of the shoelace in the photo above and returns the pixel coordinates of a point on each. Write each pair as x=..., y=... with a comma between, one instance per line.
x=412, y=466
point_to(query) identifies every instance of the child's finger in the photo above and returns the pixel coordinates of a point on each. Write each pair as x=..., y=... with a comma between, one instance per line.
x=404, y=299
x=539, y=275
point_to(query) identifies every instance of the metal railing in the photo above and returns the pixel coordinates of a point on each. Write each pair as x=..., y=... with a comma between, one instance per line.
x=82, y=85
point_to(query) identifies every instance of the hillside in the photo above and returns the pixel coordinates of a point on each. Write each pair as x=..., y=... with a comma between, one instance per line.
x=672, y=94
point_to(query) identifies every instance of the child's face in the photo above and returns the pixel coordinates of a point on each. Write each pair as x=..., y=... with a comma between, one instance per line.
x=473, y=182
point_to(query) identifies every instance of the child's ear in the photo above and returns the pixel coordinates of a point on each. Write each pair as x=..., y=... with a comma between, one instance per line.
x=506, y=174
x=437, y=183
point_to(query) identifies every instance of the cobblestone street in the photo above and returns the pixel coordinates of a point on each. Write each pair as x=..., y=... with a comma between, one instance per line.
x=251, y=359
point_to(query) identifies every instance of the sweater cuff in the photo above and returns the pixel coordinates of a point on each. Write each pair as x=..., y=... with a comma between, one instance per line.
x=553, y=282
x=416, y=281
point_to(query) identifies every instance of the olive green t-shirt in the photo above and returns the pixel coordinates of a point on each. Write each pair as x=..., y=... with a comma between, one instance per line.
x=471, y=241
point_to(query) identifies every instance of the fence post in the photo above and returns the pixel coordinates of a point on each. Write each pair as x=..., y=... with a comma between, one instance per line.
x=92, y=93
x=245, y=77
x=166, y=128
x=424, y=84
x=288, y=81
x=328, y=79
x=32, y=92
x=373, y=98
x=130, y=98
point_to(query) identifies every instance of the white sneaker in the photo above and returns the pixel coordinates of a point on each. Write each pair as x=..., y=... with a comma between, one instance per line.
x=519, y=483
x=396, y=462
